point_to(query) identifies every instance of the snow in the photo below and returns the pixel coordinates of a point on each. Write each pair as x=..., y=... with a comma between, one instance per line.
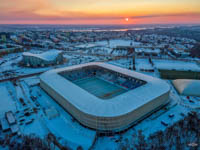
x=115, y=43
x=120, y=63
x=4, y=124
x=64, y=126
x=143, y=64
x=86, y=46
x=10, y=117
x=51, y=113
x=6, y=101
x=14, y=128
x=147, y=50
x=38, y=127
x=32, y=81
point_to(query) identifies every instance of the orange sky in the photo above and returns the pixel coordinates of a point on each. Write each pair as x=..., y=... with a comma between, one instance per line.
x=99, y=11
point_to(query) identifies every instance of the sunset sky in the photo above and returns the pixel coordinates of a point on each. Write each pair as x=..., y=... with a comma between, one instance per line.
x=100, y=11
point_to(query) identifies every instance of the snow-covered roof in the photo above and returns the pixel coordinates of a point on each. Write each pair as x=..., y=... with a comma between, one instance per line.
x=10, y=117
x=117, y=42
x=87, y=46
x=176, y=65
x=187, y=87
x=48, y=55
x=116, y=106
x=4, y=124
x=147, y=50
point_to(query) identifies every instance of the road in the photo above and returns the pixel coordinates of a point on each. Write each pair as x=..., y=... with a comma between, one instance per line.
x=21, y=76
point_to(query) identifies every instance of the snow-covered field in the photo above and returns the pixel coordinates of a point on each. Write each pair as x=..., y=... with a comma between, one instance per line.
x=6, y=101
x=143, y=64
x=117, y=42
x=64, y=126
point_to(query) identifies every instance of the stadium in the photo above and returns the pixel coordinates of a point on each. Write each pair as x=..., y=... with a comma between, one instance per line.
x=105, y=97
x=51, y=57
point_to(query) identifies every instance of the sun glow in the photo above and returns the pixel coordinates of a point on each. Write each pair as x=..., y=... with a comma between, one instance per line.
x=99, y=12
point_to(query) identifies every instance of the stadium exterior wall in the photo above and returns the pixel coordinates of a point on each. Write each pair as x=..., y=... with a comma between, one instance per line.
x=34, y=61
x=104, y=124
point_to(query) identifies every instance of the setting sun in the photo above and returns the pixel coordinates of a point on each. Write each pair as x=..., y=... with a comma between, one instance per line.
x=126, y=19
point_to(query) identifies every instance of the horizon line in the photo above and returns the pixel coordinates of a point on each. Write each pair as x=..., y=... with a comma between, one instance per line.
x=99, y=24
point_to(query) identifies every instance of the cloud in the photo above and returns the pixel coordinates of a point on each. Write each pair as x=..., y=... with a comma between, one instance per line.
x=78, y=15
x=167, y=15
x=46, y=10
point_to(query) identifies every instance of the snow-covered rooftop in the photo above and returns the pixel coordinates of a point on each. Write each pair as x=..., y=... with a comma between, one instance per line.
x=48, y=55
x=116, y=106
x=117, y=42
x=6, y=101
x=176, y=65
x=187, y=87
x=147, y=50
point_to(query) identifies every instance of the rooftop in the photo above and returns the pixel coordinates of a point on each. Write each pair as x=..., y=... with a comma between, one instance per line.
x=176, y=65
x=48, y=56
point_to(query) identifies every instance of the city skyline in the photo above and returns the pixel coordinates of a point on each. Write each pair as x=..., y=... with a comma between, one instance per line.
x=99, y=12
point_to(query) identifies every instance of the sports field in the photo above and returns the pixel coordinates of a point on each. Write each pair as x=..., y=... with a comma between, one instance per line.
x=99, y=87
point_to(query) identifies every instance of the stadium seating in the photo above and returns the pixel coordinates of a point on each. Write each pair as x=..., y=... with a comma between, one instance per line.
x=107, y=75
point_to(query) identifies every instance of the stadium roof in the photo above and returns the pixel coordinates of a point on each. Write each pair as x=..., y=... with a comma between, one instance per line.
x=187, y=87
x=116, y=106
x=48, y=55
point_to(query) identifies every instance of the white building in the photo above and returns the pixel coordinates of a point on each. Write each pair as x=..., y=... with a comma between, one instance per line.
x=52, y=57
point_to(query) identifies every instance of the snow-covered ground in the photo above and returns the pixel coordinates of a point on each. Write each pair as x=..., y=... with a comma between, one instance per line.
x=69, y=131
x=143, y=64
x=148, y=126
x=117, y=42
x=63, y=126
x=6, y=101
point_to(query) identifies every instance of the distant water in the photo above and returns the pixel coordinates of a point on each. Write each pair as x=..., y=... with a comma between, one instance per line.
x=81, y=28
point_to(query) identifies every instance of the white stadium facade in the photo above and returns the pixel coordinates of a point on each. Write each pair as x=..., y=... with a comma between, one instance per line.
x=105, y=97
